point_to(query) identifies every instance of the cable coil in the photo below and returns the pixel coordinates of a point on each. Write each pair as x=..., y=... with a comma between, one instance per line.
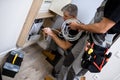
x=69, y=34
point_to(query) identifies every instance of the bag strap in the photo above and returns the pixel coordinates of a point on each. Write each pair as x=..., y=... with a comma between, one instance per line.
x=101, y=66
x=106, y=58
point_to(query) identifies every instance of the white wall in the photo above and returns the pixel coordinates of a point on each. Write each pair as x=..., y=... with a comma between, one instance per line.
x=12, y=16
x=86, y=9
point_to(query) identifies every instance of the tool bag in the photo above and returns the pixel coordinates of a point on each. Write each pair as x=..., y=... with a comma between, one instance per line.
x=12, y=63
x=95, y=58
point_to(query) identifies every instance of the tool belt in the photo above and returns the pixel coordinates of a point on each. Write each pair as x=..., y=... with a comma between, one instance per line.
x=95, y=58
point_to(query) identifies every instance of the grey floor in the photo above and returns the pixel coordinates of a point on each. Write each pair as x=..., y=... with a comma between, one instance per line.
x=34, y=65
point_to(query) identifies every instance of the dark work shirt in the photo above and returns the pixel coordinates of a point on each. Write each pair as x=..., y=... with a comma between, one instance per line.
x=112, y=12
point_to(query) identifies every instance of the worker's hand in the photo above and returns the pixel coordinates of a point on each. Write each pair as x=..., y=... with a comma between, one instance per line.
x=73, y=25
x=56, y=31
x=48, y=31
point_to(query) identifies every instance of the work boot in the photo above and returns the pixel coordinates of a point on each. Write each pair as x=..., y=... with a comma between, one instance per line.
x=49, y=54
x=54, y=73
x=48, y=78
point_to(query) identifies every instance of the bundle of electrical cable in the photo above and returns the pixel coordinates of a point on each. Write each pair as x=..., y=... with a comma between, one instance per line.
x=68, y=33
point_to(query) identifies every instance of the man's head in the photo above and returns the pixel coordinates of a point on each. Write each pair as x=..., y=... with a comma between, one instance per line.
x=69, y=11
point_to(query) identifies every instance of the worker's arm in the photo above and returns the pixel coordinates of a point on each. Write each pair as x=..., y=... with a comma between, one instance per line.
x=102, y=27
x=61, y=43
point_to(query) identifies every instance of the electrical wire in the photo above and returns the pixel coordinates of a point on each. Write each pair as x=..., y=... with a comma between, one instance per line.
x=66, y=30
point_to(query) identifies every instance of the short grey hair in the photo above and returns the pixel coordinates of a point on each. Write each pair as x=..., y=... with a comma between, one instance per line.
x=71, y=8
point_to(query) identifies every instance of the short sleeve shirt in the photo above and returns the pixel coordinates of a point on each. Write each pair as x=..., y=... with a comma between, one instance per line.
x=112, y=12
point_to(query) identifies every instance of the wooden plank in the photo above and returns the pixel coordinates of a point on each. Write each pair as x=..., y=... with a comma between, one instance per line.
x=29, y=21
x=44, y=15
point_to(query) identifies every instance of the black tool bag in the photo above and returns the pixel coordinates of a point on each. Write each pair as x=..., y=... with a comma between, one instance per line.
x=12, y=63
x=95, y=61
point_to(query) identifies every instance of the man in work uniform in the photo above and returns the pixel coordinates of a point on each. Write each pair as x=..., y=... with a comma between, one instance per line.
x=102, y=31
x=70, y=14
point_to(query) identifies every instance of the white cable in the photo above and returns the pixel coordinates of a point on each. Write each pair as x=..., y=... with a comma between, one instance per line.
x=65, y=30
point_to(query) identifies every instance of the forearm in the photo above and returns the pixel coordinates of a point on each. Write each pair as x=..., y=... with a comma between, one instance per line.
x=95, y=28
x=102, y=27
x=61, y=43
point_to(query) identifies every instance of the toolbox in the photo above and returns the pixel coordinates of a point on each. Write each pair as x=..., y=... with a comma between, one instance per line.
x=12, y=63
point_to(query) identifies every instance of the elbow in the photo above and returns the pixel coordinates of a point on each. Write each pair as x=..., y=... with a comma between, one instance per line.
x=101, y=28
x=64, y=48
x=66, y=45
x=102, y=31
